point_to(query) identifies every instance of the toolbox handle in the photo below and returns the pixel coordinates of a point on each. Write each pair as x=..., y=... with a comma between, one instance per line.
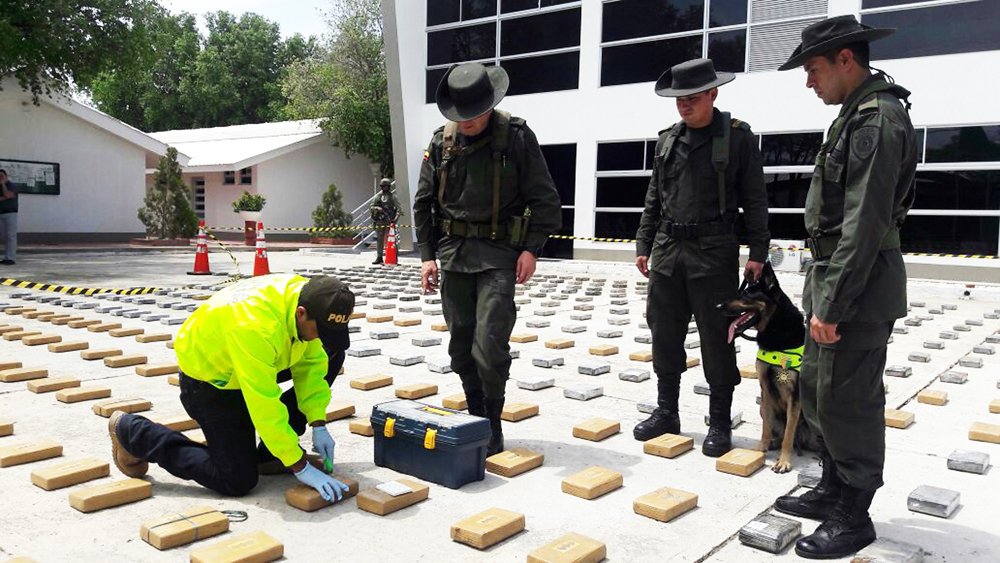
x=430, y=438
x=390, y=427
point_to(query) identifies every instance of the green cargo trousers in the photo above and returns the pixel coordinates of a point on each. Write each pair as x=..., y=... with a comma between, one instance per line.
x=843, y=399
x=479, y=310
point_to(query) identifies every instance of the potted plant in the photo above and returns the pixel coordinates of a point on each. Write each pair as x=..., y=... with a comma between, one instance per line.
x=248, y=205
x=330, y=214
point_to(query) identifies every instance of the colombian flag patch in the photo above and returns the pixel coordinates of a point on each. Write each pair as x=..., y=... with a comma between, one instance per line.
x=427, y=155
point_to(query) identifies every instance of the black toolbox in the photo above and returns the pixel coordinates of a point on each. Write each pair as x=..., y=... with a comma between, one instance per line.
x=439, y=445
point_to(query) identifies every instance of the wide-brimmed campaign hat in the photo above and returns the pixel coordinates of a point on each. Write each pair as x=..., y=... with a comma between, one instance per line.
x=691, y=77
x=469, y=90
x=329, y=302
x=826, y=35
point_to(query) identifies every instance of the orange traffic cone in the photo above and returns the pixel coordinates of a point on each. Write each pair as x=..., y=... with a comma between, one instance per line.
x=201, y=254
x=260, y=266
x=390, y=246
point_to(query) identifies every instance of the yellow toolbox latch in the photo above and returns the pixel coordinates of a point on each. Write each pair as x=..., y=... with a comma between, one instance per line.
x=390, y=427
x=430, y=438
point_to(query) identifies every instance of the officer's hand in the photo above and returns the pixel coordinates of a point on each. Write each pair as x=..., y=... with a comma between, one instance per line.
x=323, y=444
x=642, y=262
x=327, y=486
x=821, y=332
x=429, y=276
x=753, y=270
x=525, y=266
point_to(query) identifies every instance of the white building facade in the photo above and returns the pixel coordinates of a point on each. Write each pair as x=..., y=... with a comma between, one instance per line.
x=582, y=74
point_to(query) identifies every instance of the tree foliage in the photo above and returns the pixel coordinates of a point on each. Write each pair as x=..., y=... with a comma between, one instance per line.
x=330, y=212
x=166, y=210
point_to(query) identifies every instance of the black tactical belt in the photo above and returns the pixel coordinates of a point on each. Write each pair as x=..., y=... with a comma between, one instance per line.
x=464, y=229
x=695, y=230
x=822, y=248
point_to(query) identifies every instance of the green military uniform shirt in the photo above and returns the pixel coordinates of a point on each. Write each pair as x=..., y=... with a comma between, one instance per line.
x=861, y=190
x=385, y=207
x=468, y=197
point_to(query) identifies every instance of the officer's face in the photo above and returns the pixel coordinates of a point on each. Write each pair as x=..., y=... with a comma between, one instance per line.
x=827, y=79
x=476, y=125
x=696, y=109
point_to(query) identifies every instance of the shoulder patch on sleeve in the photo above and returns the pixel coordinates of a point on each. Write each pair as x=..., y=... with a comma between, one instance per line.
x=739, y=124
x=864, y=141
x=868, y=105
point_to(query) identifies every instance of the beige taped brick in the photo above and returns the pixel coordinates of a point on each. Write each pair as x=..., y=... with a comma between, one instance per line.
x=7, y=329
x=371, y=382
x=108, y=495
x=6, y=428
x=516, y=412
x=123, y=332
x=416, y=391
x=559, y=344
x=4, y=366
x=487, y=528
x=665, y=504
x=150, y=370
x=103, y=327
x=83, y=323
x=929, y=397
x=106, y=408
x=748, y=371
x=407, y=322
x=356, y=315
x=362, y=427
x=984, y=432
x=338, y=410
x=100, y=354
x=592, y=482
x=50, y=384
x=79, y=394
x=60, y=320
x=24, y=311
x=514, y=462
x=378, y=502
x=173, y=530
x=170, y=344
x=28, y=452
x=308, y=499
x=895, y=418
x=41, y=339
x=570, y=548
x=603, y=350
x=737, y=461
x=158, y=337
x=379, y=318
x=178, y=422
x=252, y=547
x=455, y=402
x=995, y=406
x=22, y=374
x=73, y=346
x=523, y=338
x=17, y=310
x=596, y=429
x=34, y=314
x=174, y=379
x=668, y=445
x=69, y=473
x=20, y=334
x=439, y=327
x=125, y=361
x=45, y=317
x=641, y=356
x=691, y=362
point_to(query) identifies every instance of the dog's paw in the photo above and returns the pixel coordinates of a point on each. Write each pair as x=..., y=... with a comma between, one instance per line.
x=782, y=466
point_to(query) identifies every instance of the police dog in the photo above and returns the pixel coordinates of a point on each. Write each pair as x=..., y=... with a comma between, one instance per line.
x=780, y=336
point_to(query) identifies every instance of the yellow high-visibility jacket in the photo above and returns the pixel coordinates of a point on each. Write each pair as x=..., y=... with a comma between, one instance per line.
x=241, y=338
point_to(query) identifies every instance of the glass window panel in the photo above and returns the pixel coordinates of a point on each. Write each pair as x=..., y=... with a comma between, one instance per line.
x=728, y=50
x=866, y=4
x=472, y=9
x=727, y=12
x=937, y=30
x=920, y=144
x=963, y=144
x=461, y=44
x=561, y=160
x=645, y=62
x=616, y=225
x=793, y=149
x=434, y=76
x=650, y=153
x=958, y=190
x=561, y=248
x=620, y=156
x=547, y=3
x=543, y=74
x=507, y=6
x=628, y=19
x=442, y=11
x=786, y=226
x=952, y=235
x=629, y=191
x=553, y=30
x=787, y=190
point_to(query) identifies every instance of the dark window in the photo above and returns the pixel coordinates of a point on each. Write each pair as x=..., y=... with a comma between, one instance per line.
x=616, y=225
x=627, y=155
x=628, y=191
x=728, y=50
x=547, y=3
x=920, y=144
x=229, y=177
x=461, y=44
x=472, y=9
x=543, y=32
x=645, y=62
x=787, y=190
x=246, y=176
x=937, y=30
x=792, y=149
x=963, y=144
x=866, y=4
x=561, y=160
x=442, y=11
x=953, y=235
x=958, y=190
x=434, y=77
x=543, y=74
x=561, y=248
x=787, y=226
x=650, y=153
x=628, y=19
x=507, y=6
x=727, y=12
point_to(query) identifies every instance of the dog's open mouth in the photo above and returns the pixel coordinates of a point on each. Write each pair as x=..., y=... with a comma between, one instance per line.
x=741, y=324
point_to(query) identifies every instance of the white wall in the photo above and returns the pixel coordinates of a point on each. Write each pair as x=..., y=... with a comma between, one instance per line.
x=947, y=90
x=102, y=177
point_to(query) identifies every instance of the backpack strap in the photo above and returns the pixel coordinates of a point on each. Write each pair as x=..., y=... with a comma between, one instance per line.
x=720, y=159
x=450, y=130
x=501, y=138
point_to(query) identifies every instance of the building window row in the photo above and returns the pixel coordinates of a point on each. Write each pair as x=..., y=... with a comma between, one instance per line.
x=932, y=28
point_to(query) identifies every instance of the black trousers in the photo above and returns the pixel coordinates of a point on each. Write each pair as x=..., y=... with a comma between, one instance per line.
x=228, y=464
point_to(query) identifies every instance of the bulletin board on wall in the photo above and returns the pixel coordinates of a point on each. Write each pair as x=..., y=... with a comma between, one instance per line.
x=32, y=177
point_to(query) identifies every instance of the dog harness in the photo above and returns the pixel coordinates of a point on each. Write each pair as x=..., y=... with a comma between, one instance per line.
x=785, y=359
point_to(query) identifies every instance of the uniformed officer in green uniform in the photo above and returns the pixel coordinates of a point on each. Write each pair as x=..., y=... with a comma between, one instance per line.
x=705, y=168
x=861, y=190
x=385, y=209
x=484, y=207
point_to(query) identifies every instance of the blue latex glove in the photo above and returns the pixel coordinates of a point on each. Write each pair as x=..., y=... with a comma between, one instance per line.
x=323, y=444
x=327, y=486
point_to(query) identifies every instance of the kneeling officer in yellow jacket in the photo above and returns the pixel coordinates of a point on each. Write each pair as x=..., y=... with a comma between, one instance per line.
x=232, y=352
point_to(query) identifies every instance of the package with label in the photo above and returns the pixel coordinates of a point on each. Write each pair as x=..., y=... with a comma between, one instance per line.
x=182, y=528
x=487, y=528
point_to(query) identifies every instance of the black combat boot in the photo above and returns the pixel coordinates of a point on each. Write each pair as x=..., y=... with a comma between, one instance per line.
x=817, y=503
x=846, y=531
x=474, y=400
x=493, y=409
x=664, y=419
x=719, y=439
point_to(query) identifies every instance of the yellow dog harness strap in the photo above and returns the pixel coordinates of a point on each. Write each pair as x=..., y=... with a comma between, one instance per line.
x=785, y=359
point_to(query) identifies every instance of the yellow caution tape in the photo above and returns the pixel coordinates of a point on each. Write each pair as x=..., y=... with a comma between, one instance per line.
x=73, y=290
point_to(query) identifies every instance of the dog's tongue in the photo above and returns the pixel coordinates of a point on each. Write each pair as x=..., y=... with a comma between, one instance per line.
x=735, y=324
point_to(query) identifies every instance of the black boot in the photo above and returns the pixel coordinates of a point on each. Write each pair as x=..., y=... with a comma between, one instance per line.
x=493, y=409
x=719, y=439
x=475, y=401
x=664, y=419
x=846, y=531
x=377, y=260
x=819, y=502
